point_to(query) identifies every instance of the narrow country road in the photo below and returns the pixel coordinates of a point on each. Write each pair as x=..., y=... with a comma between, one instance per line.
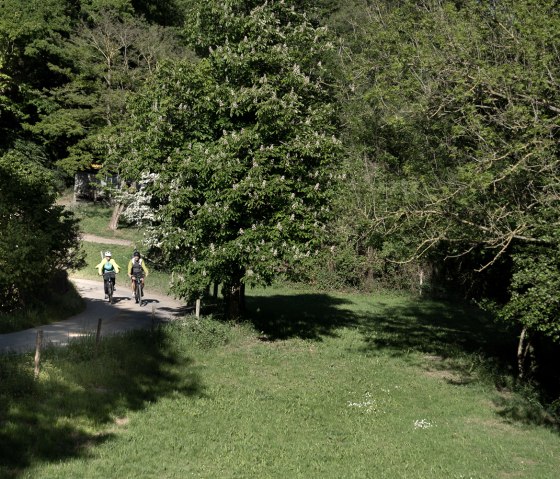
x=123, y=315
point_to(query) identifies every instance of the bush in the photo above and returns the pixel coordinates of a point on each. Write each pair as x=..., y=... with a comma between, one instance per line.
x=39, y=238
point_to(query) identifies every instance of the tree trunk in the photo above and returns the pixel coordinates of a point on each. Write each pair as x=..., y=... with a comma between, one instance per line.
x=234, y=295
x=117, y=211
x=369, y=270
x=524, y=348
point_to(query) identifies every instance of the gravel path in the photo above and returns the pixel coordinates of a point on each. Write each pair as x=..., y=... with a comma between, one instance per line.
x=98, y=239
x=123, y=315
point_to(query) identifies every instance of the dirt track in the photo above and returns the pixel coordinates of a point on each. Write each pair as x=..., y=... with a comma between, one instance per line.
x=98, y=239
x=123, y=315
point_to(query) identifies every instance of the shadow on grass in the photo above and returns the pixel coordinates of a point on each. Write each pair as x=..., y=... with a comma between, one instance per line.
x=436, y=328
x=50, y=419
x=306, y=316
x=430, y=327
x=457, y=342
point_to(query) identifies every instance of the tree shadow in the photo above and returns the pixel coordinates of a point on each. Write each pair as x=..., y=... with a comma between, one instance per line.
x=431, y=327
x=456, y=342
x=306, y=316
x=45, y=420
x=437, y=328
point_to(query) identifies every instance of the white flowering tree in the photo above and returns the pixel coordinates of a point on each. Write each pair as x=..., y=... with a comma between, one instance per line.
x=240, y=146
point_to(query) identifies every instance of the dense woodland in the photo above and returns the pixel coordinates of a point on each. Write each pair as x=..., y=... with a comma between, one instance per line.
x=360, y=144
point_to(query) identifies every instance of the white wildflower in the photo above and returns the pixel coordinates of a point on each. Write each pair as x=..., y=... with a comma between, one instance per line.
x=422, y=424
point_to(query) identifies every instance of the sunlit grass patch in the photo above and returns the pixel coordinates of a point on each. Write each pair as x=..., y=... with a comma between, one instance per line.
x=95, y=218
x=325, y=397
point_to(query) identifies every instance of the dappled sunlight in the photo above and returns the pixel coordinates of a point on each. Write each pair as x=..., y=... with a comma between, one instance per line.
x=435, y=328
x=78, y=390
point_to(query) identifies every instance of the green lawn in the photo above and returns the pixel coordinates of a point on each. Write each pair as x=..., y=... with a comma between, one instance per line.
x=95, y=217
x=310, y=386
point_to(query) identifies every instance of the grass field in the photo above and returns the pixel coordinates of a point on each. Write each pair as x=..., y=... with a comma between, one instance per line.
x=95, y=217
x=310, y=386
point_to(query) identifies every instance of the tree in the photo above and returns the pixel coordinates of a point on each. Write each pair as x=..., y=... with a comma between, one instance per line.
x=30, y=39
x=240, y=148
x=464, y=102
x=39, y=239
x=110, y=52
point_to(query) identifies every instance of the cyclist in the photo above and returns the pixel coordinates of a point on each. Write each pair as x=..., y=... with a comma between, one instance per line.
x=108, y=265
x=136, y=267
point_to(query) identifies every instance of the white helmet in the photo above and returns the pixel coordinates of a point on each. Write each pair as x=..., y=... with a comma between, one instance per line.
x=108, y=253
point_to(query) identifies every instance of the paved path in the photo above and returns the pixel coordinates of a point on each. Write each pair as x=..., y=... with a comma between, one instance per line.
x=123, y=315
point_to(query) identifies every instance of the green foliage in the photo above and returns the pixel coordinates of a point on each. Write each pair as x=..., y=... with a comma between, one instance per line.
x=65, y=69
x=454, y=133
x=39, y=239
x=30, y=36
x=534, y=298
x=238, y=149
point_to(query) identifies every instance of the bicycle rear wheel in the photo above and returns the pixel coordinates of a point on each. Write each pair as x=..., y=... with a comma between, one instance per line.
x=138, y=292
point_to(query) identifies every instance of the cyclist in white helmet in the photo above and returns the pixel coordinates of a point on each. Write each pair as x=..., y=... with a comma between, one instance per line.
x=107, y=265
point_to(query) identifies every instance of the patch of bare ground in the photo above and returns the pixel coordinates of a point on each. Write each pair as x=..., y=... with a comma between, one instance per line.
x=121, y=421
x=437, y=368
x=510, y=475
x=523, y=463
x=494, y=426
x=450, y=376
x=98, y=239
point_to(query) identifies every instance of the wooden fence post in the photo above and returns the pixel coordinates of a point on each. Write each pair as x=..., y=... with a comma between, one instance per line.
x=197, y=308
x=38, y=346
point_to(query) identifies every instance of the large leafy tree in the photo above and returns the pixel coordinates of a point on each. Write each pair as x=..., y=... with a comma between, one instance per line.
x=31, y=35
x=65, y=67
x=39, y=238
x=238, y=150
x=110, y=52
x=461, y=140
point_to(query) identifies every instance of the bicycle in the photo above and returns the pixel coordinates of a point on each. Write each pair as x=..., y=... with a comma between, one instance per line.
x=109, y=286
x=138, y=288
